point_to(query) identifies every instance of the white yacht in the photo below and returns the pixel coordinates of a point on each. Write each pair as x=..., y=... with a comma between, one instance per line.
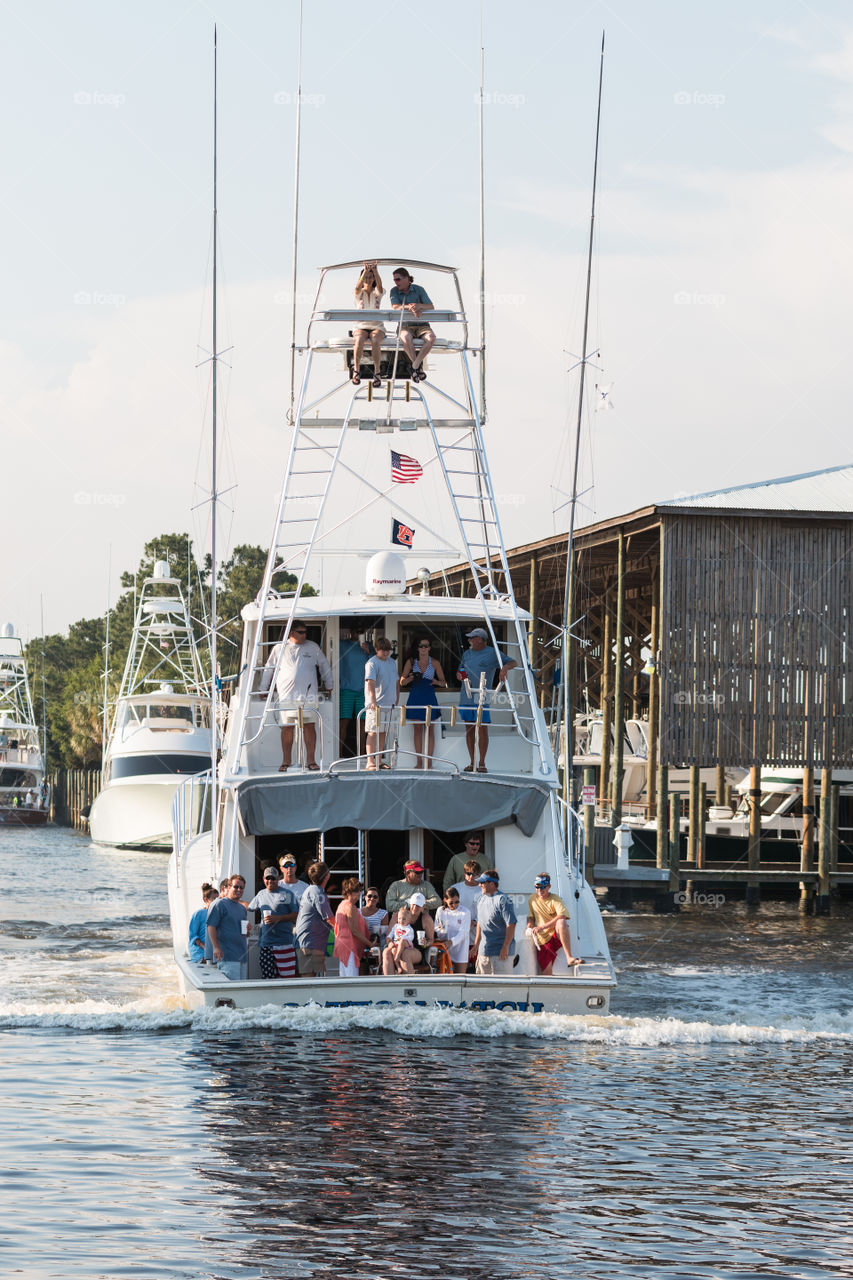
x=161, y=723
x=24, y=797
x=781, y=806
x=339, y=498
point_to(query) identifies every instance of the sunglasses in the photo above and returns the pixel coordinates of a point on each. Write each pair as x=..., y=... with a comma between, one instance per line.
x=371, y=895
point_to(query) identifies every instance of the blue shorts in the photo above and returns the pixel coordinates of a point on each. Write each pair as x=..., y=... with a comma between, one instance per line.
x=468, y=715
x=351, y=702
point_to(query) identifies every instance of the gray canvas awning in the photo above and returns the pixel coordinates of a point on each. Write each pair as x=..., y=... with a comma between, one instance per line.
x=390, y=801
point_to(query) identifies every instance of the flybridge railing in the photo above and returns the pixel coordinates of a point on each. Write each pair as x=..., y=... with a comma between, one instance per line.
x=191, y=811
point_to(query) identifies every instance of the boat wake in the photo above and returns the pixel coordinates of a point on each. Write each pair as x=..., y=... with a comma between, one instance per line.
x=161, y=1008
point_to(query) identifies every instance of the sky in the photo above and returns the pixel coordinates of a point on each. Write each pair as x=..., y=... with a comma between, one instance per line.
x=722, y=268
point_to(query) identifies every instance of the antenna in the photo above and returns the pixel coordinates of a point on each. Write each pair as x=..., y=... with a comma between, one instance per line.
x=290, y=413
x=482, y=226
x=568, y=603
x=214, y=676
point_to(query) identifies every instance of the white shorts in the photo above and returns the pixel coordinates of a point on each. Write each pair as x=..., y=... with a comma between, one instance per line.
x=376, y=719
x=289, y=714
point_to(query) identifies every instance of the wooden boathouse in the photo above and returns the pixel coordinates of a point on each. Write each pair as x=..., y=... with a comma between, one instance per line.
x=724, y=620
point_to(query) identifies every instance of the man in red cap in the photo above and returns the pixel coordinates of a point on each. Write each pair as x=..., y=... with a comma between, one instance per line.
x=402, y=890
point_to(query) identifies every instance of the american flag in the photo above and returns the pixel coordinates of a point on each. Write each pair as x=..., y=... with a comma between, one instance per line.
x=405, y=470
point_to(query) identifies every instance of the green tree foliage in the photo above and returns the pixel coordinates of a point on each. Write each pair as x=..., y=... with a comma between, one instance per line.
x=74, y=664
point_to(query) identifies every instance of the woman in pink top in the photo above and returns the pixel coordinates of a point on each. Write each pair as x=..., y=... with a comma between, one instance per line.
x=351, y=935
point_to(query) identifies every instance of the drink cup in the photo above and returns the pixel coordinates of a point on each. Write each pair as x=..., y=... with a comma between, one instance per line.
x=244, y=927
x=421, y=937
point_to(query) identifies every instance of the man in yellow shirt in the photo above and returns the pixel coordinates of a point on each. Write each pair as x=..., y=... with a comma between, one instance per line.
x=548, y=918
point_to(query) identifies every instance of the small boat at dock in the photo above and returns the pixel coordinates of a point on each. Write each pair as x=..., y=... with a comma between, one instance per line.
x=24, y=797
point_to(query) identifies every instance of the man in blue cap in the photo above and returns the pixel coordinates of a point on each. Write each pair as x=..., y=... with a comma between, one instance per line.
x=494, y=941
x=479, y=659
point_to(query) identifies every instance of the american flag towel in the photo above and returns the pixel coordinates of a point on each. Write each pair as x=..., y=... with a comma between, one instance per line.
x=405, y=470
x=285, y=961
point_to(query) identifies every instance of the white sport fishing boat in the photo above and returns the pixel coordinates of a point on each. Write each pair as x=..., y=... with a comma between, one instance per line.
x=367, y=823
x=161, y=724
x=24, y=798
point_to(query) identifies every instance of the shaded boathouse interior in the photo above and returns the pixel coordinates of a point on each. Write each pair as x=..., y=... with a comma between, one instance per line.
x=732, y=611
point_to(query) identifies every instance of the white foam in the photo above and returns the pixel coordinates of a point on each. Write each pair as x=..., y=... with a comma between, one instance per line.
x=160, y=1013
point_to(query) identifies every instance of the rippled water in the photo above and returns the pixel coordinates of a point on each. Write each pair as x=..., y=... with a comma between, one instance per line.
x=701, y=1131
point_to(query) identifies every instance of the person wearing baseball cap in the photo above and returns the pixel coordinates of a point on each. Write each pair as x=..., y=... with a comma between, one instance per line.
x=494, y=941
x=413, y=881
x=480, y=659
x=548, y=921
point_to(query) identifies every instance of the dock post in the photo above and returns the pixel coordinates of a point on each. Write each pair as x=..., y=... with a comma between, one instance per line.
x=807, y=849
x=589, y=823
x=619, y=690
x=720, y=794
x=606, y=721
x=693, y=816
x=662, y=817
x=823, y=854
x=654, y=703
x=833, y=835
x=703, y=814
x=753, y=851
x=674, y=842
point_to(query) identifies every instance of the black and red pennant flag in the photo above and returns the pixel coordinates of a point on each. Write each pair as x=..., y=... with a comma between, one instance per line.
x=403, y=535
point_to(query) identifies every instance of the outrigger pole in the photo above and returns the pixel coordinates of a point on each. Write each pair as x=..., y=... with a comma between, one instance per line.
x=290, y=413
x=568, y=603
x=482, y=227
x=214, y=674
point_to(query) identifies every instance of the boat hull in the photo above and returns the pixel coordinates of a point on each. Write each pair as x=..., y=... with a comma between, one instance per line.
x=589, y=994
x=12, y=816
x=135, y=815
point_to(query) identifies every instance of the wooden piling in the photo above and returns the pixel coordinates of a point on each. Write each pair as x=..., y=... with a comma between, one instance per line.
x=674, y=842
x=703, y=818
x=662, y=833
x=807, y=847
x=619, y=691
x=720, y=791
x=753, y=849
x=589, y=822
x=654, y=705
x=606, y=722
x=823, y=848
x=693, y=816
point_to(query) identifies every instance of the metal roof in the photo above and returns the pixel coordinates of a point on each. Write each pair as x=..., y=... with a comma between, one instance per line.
x=828, y=490
x=390, y=262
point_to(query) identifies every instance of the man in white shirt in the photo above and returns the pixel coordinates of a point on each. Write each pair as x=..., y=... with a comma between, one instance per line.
x=296, y=685
x=287, y=864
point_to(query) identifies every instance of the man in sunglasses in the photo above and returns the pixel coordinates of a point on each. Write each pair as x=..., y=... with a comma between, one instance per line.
x=413, y=300
x=287, y=864
x=298, y=691
x=548, y=920
x=456, y=866
x=279, y=909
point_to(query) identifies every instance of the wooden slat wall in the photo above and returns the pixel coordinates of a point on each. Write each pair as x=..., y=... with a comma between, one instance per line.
x=757, y=663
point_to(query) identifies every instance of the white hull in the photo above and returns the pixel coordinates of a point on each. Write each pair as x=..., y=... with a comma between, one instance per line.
x=205, y=985
x=135, y=814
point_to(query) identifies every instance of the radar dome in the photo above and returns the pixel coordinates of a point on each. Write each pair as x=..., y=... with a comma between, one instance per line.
x=161, y=569
x=8, y=630
x=385, y=574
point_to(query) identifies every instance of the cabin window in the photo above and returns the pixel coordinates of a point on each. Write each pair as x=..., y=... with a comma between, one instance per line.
x=161, y=762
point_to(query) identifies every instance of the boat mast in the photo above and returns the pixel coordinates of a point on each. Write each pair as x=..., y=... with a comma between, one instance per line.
x=568, y=603
x=290, y=413
x=214, y=675
x=104, y=721
x=43, y=697
x=482, y=226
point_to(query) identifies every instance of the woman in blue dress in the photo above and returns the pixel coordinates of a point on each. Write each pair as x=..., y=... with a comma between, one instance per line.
x=421, y=676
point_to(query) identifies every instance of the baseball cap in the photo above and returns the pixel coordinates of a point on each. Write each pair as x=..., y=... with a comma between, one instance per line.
x=478, y=631
x=488, y=877
x=412, y=866
x=417, y=900
x=541, y=881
